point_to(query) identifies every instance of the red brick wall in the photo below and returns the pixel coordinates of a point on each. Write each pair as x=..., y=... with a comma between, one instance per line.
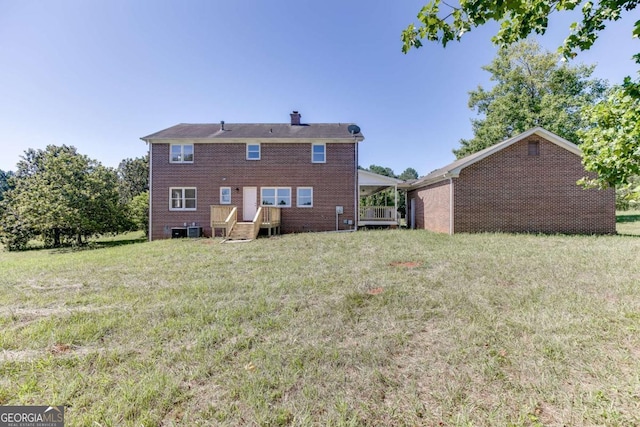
x=281, y=165
x=432, y=206
x=512, y=191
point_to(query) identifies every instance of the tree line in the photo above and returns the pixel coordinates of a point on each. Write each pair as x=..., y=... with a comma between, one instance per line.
x=62, y=197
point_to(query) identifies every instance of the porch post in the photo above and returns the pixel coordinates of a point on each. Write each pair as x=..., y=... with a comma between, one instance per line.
x=395, y=193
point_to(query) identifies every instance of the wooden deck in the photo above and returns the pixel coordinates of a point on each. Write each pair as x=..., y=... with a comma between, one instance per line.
x=225, y=217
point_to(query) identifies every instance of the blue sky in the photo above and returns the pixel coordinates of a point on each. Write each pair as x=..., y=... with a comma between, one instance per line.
x=101, y=74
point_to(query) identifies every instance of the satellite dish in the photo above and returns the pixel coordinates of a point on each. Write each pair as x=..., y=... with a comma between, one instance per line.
x=353, y=129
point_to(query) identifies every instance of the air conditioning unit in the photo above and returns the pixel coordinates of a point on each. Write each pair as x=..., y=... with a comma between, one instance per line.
x=194, y=231
x=178, y=232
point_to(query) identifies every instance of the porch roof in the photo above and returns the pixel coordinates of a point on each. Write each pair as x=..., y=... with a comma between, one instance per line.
x=372, y=183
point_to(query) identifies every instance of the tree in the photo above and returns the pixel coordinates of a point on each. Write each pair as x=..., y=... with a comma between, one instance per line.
x=61, y=195
x=409, y=173
x=532, y=88
x=133, y=175
x=138, y=209
x=611, y=144
x=5, y=183
x=517, y=18
x=380, y=170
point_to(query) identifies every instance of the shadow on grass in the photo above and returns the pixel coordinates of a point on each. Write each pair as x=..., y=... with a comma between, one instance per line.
x=628, y=218
x=100, y=244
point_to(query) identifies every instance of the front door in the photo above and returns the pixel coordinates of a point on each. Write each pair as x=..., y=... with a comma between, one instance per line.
x=249, y=203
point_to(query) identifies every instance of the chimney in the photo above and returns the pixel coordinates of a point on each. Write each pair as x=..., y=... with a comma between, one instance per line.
x=221, y=124
x=295, y=118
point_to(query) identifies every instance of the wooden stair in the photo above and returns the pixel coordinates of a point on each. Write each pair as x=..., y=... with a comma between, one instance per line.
x=242, y=231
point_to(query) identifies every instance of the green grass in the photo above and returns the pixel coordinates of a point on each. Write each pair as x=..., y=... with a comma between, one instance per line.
x=484, y=329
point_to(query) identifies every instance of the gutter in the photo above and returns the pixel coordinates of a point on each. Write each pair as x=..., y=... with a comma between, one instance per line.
x=150, y=226
x=450, y=206
x=150, y=192
x=356, y=192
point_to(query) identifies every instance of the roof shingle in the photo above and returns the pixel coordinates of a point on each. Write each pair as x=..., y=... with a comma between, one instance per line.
x=255, y=130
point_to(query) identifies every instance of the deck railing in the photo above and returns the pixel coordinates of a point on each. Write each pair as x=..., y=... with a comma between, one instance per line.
x=271, y=216
x=223, y=216
x=378, y=213
x=256, y=222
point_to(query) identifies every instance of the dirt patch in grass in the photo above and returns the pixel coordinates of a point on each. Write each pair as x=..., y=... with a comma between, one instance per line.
x=406, y=264
x=59, y=349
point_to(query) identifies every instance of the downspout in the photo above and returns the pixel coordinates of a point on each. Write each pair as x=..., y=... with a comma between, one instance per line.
x=356, y=190
x=450, y=206
x=150, y=187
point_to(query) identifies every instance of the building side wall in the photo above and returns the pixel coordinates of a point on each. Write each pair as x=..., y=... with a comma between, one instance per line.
x=512, y=191
x=281, y=165
x=433, y=207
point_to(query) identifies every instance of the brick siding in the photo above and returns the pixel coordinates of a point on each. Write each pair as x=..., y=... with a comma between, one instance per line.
x=513, y=191
x=432, y=206
x=281, y=165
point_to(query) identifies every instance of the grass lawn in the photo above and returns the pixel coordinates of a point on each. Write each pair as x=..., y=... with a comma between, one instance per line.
x=370, y=328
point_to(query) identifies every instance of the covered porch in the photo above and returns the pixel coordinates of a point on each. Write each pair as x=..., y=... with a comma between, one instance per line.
x=378, y=200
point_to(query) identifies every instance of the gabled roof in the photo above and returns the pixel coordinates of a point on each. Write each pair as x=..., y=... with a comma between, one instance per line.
x=264, y=131
x=452, y=170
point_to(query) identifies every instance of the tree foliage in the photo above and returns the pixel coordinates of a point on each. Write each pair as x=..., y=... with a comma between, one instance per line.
x=5, y=183
x=520, y=18
x=61, y=196
x=611, y=144
x=133, y=175
x=442, y=23
x=408, y=173
x=138, y=209
x=532, y=88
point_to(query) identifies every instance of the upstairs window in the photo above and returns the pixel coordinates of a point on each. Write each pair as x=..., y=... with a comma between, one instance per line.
x=253, y=151
x=182, y=199
x=534, y=148
x=318, y=153
x=181, y=153
x=276, y=196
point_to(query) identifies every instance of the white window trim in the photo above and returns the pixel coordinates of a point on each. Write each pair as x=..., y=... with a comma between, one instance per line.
x=325, y=151
x=181, y=153
x=276, y=194
x=298, y=197
x=259, y=150
x=222, y=202
x=183, y=198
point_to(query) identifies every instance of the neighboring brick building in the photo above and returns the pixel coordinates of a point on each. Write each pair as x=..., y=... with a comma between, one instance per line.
x=305, y=169
x=523, y=184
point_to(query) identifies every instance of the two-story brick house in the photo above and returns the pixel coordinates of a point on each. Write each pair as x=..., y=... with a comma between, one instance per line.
x=309, y=171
